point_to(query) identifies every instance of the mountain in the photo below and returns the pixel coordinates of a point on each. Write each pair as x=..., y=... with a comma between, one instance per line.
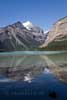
x=21, y=36
x=57, y=36
x=26, y=36
x=29, y=26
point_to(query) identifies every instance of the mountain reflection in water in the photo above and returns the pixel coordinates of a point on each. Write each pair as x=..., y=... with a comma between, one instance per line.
x=37, y=70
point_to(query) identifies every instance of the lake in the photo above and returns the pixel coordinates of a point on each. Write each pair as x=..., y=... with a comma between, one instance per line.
x=32, y=73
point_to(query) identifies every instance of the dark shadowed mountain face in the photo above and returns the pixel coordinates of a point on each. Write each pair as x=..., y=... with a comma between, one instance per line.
x=17, y=37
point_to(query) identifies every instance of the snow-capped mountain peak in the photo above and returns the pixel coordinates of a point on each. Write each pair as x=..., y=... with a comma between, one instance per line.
x=28, y=25
x=45, y=32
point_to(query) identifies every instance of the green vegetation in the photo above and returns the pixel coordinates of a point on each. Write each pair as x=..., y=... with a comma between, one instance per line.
x=56, y=45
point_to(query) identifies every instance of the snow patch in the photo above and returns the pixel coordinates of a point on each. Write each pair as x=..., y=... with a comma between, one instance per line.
x=28, y=25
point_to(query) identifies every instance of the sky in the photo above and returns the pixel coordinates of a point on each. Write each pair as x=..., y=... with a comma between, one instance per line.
x=43, y=13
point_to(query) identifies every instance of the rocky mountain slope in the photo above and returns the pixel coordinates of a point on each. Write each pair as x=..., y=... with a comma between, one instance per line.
x=57, y=36
x=26, y=36
x=21, y=36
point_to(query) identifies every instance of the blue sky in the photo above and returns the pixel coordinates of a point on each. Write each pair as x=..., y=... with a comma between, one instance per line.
x=40, y=12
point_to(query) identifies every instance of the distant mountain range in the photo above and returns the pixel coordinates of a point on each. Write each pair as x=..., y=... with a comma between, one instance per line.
x=26, y=36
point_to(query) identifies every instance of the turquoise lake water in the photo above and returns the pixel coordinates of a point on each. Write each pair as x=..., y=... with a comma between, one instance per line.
x=31, y=52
